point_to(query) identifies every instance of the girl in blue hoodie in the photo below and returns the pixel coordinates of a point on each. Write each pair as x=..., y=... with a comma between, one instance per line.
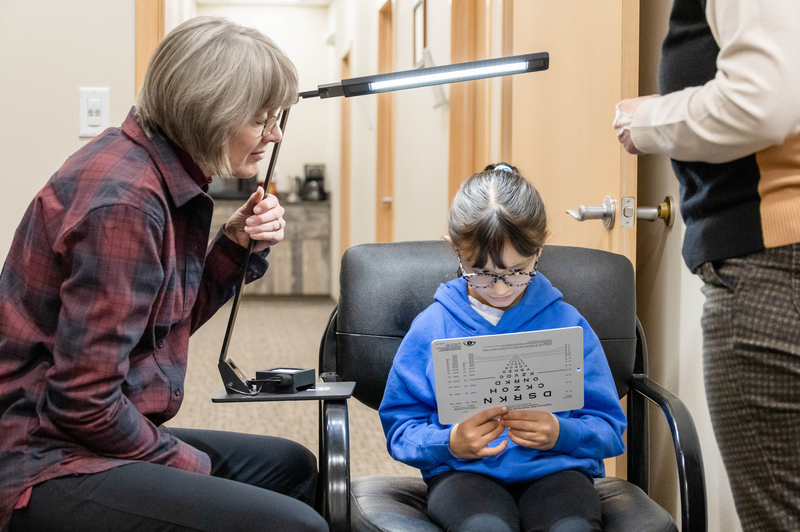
x=501, y=470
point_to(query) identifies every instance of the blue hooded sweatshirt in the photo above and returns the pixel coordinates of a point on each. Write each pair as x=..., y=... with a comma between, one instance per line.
x=411, y=421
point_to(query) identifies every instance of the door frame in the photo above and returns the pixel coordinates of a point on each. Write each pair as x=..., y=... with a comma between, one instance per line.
x=470, y=101
x=345, y=178
x=506, y=82
x=384, y=166
x=149, y=31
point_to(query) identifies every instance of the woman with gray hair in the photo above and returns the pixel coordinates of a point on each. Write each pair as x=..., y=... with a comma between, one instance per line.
x=108, y=275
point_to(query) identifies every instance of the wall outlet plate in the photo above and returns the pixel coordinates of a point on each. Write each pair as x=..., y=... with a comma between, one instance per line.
x=94, y=107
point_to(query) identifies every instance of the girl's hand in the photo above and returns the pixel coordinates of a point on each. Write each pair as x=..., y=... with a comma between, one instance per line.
x=471, y=438
x=261, y=219
x=531, y=428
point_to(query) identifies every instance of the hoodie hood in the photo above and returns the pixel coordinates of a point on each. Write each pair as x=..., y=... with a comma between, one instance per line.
x=539, y=295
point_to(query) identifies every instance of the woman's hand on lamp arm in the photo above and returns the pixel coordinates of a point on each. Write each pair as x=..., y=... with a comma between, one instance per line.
x=261, y=219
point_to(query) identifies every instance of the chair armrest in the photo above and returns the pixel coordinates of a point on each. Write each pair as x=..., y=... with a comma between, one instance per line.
x=327, y=346
x=687, y=452
x=334, y=464
x=333, y=486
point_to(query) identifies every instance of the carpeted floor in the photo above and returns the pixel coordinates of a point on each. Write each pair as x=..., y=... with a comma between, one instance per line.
x=271, y=333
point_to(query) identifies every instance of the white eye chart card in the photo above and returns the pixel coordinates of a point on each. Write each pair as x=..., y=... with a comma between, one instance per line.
x=539, y=370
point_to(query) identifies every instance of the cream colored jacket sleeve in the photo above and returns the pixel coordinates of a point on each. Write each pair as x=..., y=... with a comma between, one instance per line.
x=753, y=101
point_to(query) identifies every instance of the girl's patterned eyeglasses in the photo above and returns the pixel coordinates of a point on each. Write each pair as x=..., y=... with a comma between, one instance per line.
x=513, y=279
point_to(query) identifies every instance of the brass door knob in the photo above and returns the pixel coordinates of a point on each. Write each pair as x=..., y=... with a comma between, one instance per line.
x=663, y=211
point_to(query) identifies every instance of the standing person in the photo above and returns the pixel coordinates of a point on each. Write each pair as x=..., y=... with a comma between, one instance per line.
x=109, y=273
x=501, y=470
x=729, y=118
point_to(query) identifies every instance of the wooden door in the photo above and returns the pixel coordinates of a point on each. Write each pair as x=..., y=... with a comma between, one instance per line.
x=561, y=134
x=384, y=216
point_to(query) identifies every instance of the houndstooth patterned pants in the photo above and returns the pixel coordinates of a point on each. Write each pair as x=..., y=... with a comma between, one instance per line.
x=751, y=344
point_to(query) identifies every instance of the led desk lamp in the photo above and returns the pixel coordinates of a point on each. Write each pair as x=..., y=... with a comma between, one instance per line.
x=233, y=378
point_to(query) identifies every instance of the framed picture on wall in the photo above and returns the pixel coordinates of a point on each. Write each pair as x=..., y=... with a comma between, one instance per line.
x=420, y=38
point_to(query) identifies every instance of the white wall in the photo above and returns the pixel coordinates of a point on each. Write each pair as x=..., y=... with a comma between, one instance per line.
x=47, y=50
x=354, y=27
x=177, y=11
x=422, y=134
x=357, y=31
x=670, y=305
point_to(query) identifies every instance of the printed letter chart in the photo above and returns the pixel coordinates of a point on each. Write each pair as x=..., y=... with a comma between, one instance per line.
x=539, y=370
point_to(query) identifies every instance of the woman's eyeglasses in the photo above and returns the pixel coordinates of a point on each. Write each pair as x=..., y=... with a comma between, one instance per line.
x=512, y=279
x=268, y=124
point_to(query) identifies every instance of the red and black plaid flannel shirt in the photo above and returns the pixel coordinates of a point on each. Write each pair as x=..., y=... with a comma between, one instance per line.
x=108, y=274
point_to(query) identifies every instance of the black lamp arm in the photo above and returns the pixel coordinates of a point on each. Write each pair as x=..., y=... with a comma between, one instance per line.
x=425, y=77
x=233, y=378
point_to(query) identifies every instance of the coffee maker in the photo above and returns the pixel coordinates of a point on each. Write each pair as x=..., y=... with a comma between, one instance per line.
x=313, y=188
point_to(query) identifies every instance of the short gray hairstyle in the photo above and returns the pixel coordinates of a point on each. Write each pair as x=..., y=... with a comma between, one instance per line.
x=206, y=80
x=495, y=207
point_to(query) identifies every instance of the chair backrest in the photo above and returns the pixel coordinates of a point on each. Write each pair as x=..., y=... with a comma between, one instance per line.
x=385, y=286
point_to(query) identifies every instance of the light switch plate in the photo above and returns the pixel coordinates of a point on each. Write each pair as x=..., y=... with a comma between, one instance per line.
x=94, y=124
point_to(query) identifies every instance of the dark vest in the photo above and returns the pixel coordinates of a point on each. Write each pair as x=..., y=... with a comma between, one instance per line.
x=719, y=202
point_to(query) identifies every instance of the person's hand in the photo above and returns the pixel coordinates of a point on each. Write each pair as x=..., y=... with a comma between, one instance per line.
x=532, y=428
x=622, y=121
x=261, y=219
x=471, y=438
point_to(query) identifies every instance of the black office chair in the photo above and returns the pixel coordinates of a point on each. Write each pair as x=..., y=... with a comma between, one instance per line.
x=385, y=286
